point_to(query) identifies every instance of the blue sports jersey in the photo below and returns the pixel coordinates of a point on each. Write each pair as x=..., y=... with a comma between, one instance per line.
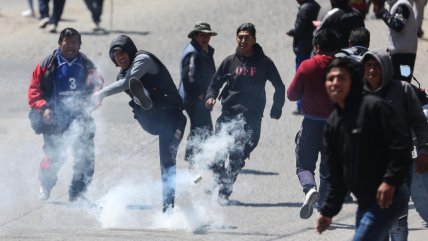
x=68, y=89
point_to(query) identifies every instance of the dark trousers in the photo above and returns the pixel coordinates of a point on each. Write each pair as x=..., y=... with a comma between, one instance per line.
x=246, y=141
x=201, y=127
x=81, y=132
x=308, y=147
x=58, y=8
x=169, y=125
x=96, y=8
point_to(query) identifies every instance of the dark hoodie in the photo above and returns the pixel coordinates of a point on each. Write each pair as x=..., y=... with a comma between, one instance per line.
x=342, y=18
x=246, y=79
x=364, y=146
x=160, y=85
x=400, y=95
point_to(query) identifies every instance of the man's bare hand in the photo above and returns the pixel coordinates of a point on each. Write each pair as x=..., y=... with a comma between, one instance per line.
x=210, y=103
x=323, y=223
x=385, y=195
x=47, y=116
x=97, y=99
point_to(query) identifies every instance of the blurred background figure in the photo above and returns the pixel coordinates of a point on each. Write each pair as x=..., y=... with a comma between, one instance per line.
x=30, y=11
x=302, y=34
x=50, y=21
x=96, y=8
x=420, y=6
x=362, y=6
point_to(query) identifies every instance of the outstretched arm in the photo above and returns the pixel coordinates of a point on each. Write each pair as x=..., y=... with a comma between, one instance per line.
x=397, y=21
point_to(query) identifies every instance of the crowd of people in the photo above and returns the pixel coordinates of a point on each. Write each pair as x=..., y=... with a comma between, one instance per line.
x=50, y=19
x=361, y=113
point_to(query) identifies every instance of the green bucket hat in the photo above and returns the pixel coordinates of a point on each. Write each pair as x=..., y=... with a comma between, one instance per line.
x=202, y=27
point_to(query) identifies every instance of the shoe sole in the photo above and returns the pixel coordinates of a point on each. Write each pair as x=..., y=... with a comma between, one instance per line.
x=308, y=207
x=139, y=96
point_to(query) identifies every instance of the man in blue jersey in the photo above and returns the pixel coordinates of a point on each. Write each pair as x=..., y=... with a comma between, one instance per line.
x=59, y=96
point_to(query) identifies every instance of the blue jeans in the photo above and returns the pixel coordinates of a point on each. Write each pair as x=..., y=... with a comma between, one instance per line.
x=400, y=228
x=308, y=146
x=374, y=223
x=58, y=7
x=419, y=193
x=169, y=125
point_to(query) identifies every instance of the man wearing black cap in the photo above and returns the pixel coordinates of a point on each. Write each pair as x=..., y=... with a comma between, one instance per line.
x=197, y=68
x=156, y=104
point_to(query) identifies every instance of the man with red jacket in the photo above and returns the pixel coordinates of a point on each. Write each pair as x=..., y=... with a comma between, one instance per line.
x=308, y=85
x=60, y=99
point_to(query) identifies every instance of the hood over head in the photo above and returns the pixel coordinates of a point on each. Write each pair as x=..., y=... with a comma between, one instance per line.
x=123, y=43
x=356, y=71
x=385, y=62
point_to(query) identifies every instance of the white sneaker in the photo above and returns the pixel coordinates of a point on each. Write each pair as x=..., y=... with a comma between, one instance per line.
x=27, y=13
x=308, y=205
x=44, y=22
x=51, y=28
x=44, y=193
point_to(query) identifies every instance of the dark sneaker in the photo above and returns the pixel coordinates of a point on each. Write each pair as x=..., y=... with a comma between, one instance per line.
x=140, y=96
x=81, y=201
x=223, y=199
x=168, y=208
x=348, y=198
x=308, y=205
x=420, y=33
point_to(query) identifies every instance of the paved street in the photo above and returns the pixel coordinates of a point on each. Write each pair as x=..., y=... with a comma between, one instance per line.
x=126, y=189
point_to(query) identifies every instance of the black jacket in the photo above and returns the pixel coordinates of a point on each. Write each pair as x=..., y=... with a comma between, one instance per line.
x=303, y=27
x=364, y=146
x=245, y=80
x=342, y=20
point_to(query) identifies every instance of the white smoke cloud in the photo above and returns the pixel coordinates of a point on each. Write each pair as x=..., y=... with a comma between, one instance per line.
x=136, y=203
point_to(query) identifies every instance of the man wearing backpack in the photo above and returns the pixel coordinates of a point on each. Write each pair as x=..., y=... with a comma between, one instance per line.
x=359, y=42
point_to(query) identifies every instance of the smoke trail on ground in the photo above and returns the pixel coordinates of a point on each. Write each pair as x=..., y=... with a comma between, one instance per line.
x=137, y=203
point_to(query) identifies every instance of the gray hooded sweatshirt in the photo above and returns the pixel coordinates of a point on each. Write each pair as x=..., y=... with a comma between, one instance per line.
x=402, y=98
x=405, y=40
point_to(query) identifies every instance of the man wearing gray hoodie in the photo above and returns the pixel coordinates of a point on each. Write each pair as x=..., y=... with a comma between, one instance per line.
x=378, y=80
x=161, y=112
